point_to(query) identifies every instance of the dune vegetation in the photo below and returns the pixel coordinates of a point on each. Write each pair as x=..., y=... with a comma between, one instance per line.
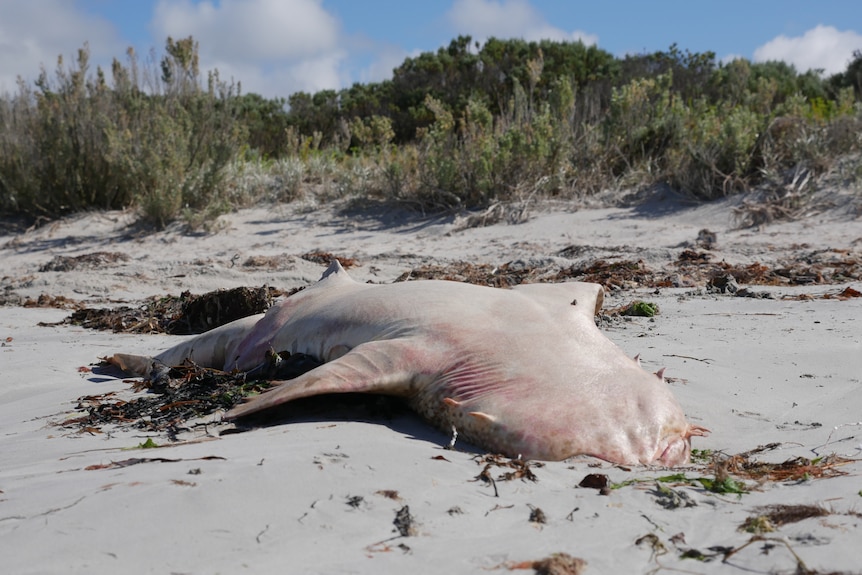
x=468, y=127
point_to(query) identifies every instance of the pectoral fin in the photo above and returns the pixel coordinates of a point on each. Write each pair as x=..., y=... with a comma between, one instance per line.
x=374, y=367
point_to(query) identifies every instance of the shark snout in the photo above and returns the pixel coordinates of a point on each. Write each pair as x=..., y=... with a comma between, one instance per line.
x=676, y=450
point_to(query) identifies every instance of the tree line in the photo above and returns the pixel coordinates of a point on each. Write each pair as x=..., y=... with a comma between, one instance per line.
x=466, y=126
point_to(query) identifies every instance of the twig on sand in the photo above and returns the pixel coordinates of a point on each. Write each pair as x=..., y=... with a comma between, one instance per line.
x=834, y=429
x=704, y=360
x=800, y=564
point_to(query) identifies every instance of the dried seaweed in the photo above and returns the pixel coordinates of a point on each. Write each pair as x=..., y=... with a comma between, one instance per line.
x=325, y=258
x=279, y=262
x=404, y=522
x=670, y=498
x=612, y=275
x=389, y=494
x=186, y=314
x=91, y=261
x=796, y=469
x=537, y=515
x=505, y=275
x=186, y=393
x=210, y=310
x=691, y=268
x=637, y=308
x=521, y=469
x=555, y=564
x=770, y=517
x=189, y=313
x=197, y=392
x=49, y=301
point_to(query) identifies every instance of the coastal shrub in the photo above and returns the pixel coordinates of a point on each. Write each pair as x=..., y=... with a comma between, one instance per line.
x=158, y=143
x=53, y=141
x=715, y=158
x=467, y=127
x=478, y=159
x=641, y=124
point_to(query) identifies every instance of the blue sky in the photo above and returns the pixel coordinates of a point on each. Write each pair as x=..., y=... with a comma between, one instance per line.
x=277, y=47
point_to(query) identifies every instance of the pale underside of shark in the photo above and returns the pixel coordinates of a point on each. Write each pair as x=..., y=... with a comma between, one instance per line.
x=524, y=371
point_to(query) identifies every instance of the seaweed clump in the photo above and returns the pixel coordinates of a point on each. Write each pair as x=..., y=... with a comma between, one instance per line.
x=183, y=315
x=184, y=393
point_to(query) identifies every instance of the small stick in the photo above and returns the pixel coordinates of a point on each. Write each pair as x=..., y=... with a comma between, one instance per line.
x=705, y=360
x=834, y=429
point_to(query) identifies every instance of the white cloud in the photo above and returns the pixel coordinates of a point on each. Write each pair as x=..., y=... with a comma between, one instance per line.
x=821, y=47
x=33, y=34
x=508, y=19
x=274, y=47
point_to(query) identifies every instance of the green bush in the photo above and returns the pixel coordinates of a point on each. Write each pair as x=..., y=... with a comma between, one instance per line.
x=158, y=144
x=459, y=128
x=480, y=159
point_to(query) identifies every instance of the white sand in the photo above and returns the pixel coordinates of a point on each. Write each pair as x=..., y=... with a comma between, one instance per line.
x=275, y=499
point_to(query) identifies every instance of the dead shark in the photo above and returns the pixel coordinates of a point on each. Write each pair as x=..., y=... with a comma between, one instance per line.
x=524, y=371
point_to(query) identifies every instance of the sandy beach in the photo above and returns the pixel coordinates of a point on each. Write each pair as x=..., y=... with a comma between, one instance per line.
x=776, y=377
